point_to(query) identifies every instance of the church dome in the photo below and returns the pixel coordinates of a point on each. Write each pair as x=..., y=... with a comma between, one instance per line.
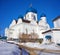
x=43, y=15
x=31, y=10
x=20, y=16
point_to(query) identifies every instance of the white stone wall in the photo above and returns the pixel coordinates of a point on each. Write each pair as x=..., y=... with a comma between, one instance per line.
x=56, y=33
x=57, y=23
x=50, y=33
x=26, y=28
x=19, y=21
x=29, y=27
x=56, y=36
x=31, y=16
x=18, y=29
x=6, y=32
x=12, y=24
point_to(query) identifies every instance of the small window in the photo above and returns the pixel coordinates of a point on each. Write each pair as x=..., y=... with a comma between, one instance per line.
x=48, y=37
x=32, y=15
x=34, y=18
x=27, y=15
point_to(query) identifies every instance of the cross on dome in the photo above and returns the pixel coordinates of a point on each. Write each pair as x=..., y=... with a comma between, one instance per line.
x=31, y=9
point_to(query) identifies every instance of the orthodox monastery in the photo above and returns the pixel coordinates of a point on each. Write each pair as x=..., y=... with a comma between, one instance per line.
x=29, y=27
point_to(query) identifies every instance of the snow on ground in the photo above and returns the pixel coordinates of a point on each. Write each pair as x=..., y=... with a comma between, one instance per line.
x=9, y=49
x=12, y=49
x=42, y=46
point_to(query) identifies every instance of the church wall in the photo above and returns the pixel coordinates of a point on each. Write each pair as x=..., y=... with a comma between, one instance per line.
x=26, y=28
x=6, y=31
x=31, y=16
x=15, y=34
x=28, y=16
x=50, y=33
x=57, y=23
x=40, y=30
x=10, y=33
x=40, y=34
x=30, y=28
x=14, y=31
x=56, y=36
x=35, y=16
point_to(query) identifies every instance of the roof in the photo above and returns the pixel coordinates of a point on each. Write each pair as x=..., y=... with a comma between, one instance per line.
x=31, y=10
x=20, y=16
x=26, y=21
x=50, y=30
x=55, y=29
x=58, y=17
x=43, y=15
x=46, y=31
x=15, y=20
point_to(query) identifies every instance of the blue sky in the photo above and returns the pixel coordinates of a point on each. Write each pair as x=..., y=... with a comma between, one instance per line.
x=11, y=9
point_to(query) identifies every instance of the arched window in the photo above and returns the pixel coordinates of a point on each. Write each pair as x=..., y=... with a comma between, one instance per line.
x=48, y=37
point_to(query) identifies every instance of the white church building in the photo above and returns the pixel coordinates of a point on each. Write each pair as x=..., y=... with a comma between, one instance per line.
x=29, y=24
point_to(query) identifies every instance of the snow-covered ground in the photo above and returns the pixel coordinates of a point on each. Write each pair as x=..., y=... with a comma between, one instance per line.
x=12, y=49
x=9, y=49
x=43, y=46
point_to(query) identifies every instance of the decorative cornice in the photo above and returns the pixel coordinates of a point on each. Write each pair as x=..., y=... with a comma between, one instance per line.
x=55, y=29
x=26, y=21
x=46, y=31
x=50, y=30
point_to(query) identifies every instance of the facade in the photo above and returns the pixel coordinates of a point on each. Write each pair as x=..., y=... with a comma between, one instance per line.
x=27, y=26
x=54, y=32
x=56, y=22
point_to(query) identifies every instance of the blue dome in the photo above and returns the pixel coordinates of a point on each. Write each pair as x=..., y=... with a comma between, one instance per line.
x=43, y=15
x=20, y=16
x=31, y=10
